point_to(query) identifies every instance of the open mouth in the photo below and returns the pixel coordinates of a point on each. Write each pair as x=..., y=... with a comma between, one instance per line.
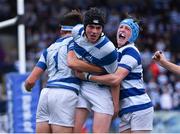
x=122, y=36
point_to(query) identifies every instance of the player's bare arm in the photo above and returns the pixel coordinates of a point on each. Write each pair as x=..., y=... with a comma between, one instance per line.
x=111, y=79
x=30, y=81
x=80, y=65
x=160, y=58
x=115, y=91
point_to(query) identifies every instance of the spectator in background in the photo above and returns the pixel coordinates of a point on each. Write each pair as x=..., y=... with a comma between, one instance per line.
x=154, y=93
x=2, y=60
x=166, y=102
x=6, y=63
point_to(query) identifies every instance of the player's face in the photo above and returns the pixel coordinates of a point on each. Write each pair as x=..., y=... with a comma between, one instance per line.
x=123, y=34
x=93, y=32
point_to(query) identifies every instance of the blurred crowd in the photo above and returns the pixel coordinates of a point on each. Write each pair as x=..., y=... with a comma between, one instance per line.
x=160, y=21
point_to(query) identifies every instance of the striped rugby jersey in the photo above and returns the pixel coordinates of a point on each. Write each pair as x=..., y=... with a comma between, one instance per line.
x=54, y=59
x=133, y=96
x=102, y=53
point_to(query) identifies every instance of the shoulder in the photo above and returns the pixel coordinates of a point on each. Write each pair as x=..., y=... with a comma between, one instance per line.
x=132, y=51
x=129, y=48
x=77, y=30
x=60, y=43
x=104, y=42
x=64, y=40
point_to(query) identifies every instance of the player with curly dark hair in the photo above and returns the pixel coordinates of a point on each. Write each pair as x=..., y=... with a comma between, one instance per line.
x=95, y=48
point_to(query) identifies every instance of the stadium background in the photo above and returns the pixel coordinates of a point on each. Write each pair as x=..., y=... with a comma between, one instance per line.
x=161, y=28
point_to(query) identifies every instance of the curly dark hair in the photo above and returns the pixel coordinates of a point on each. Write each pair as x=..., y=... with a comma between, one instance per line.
x=94, y=16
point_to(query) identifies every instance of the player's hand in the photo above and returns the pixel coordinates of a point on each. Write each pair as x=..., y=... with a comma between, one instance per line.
x=158, y=56
x=80, y=75
x=28, y=86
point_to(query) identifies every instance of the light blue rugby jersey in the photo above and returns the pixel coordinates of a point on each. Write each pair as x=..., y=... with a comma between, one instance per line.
x=54, y=59
x=133, y=96
x=103, y=53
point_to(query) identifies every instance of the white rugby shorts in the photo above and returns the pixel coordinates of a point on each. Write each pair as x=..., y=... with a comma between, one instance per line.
x=96, y=97
x=139, y=120
x=57, y=106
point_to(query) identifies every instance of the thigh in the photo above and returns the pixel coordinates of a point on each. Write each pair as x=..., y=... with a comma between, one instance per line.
x=62, y=104
x=80, y=118
x=101, y=123
x=102, y=103
x=142, y=120
x=43, y=127
x=61, y=129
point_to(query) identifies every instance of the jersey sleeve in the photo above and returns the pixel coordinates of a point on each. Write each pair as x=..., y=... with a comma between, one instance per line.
x=70, y=46
x=42, y=60
x=130, y=59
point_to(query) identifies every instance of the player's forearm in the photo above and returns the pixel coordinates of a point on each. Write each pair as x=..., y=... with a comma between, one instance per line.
x=170, y=66
x=35, y=74
x=115, y=91
x=108, y=79
x=80, y=65
x=86, y=67
x=111, y=79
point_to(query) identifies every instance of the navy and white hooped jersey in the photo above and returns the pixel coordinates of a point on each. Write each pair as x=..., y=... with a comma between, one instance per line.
x=102, y=53
x=54, y=59
x=133, y=96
